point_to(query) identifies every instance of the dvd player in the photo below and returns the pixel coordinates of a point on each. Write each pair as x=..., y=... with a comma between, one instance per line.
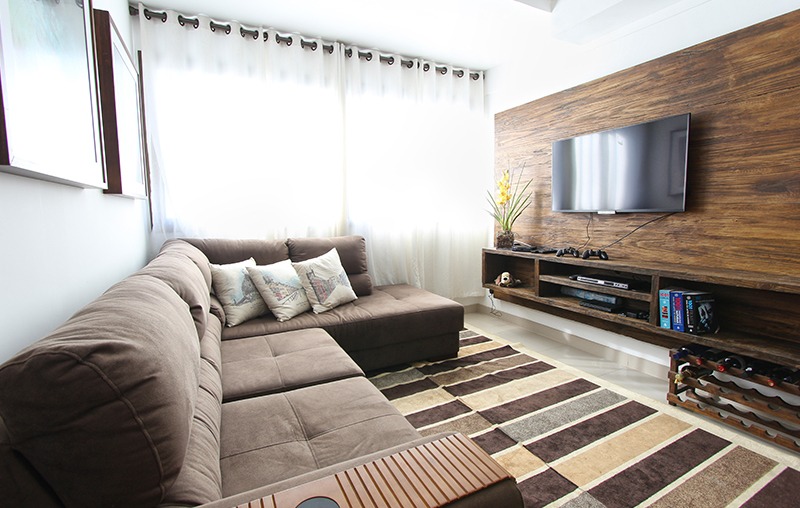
x=606, y=280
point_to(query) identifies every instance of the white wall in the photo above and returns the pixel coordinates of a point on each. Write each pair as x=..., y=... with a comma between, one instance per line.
x=60, y=247
x=544, y=65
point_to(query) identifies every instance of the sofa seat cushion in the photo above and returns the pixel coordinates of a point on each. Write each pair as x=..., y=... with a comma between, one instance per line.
x=390, y=315
x=274, y=437
x=276, y=363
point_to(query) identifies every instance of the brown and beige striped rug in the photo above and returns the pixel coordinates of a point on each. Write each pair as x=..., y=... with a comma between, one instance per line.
x=574, y=440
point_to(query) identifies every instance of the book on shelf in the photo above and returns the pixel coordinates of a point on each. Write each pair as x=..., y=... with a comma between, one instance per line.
x=677, y=309
x=664, y=308
x=700, y=315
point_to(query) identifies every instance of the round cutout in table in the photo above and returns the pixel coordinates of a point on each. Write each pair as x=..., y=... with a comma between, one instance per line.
x=318, y=502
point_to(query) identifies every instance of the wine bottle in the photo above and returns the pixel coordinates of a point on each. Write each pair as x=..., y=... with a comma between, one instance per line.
x=713, y=355
x=793, y=377
x=777, y=375
x=689, y=370
x=757, y=367
x=731, y=362
x=689, y=350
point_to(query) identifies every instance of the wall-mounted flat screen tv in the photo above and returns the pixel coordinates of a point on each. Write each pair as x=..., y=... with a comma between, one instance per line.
x=638, y=168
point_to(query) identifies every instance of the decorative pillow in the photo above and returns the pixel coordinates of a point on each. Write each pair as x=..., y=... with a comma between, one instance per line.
x=325, y=281
x=235, y=290
x=280, y=287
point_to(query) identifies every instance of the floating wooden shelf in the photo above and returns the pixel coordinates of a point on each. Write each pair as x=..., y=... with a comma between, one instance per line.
x=759, y=314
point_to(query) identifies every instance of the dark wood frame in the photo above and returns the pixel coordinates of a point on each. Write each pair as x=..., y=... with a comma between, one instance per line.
x=120, y=111
x=80, y=164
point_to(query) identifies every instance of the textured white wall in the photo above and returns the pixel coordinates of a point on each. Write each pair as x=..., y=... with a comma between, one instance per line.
x=60, y=247
x=544, y=65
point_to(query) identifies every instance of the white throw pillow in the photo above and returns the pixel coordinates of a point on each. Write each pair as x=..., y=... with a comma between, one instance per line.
x=236, y=291
x=280, y=287
x=325, y=281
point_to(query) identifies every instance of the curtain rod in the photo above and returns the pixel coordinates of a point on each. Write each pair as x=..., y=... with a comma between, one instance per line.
x=289, y=39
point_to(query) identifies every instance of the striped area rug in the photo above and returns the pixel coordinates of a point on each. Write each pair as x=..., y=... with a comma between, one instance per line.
x=571, y=439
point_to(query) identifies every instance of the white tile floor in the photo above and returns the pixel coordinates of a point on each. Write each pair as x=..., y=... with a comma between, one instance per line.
x=609, y=370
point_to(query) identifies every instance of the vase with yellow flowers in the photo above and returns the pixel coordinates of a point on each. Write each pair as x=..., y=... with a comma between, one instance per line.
x=512, y=199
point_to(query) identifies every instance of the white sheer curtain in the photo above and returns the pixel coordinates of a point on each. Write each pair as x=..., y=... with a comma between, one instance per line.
x=252, y=139
x=418, y=157
x=244, y=135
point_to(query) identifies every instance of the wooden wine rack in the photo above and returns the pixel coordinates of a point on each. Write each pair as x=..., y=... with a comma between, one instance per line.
x=771, y=419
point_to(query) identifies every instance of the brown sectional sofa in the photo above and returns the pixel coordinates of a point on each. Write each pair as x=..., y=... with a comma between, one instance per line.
x=145, y=398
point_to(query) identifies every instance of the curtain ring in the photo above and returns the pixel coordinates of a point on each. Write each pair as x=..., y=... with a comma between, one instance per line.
x=328, y=48
x=214, y=27
x=266, y=36
x=426, y=67
x=310, y=45
x=152, y=14
x=407, y=63
x=194, y=22
x=475, y=76
x=387, y=60
x=366, y=55
x=442, y=70
x=459, y=73
x=287, y=40
x=348, y=52
x=245, y=32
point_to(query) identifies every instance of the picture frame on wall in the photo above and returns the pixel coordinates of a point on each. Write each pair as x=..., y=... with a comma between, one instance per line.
x=120, y=111
x=49, y=123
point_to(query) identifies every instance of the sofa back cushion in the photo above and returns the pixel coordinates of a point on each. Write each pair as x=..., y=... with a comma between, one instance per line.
x=222, y=251
x=176, y=246
x=185, y=278
x=200, y=479
x=102, y=407
x=352, y=252
x=20, y=484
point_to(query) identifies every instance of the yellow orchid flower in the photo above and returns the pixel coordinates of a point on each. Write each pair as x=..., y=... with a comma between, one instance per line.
x=509, y=203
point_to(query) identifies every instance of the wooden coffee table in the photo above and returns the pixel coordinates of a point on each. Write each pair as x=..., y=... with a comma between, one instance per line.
x=433, y=474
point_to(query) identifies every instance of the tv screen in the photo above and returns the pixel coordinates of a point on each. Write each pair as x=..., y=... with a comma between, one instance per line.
x=639, y=168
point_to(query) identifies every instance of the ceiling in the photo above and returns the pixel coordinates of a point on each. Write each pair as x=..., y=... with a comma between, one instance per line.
x=475, y=34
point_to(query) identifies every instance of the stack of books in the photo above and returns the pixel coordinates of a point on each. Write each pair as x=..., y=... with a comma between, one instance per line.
x=689, y=311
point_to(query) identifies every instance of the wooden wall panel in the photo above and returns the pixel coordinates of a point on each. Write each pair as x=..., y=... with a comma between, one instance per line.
x=743, y=188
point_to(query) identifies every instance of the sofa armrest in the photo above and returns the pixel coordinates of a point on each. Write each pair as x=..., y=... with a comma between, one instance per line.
x=432, y=471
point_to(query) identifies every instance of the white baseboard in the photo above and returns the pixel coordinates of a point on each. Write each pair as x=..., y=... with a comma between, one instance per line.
x=626, y=351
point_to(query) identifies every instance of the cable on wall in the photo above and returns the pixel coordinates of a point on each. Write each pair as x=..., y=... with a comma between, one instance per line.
x=637, y=228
